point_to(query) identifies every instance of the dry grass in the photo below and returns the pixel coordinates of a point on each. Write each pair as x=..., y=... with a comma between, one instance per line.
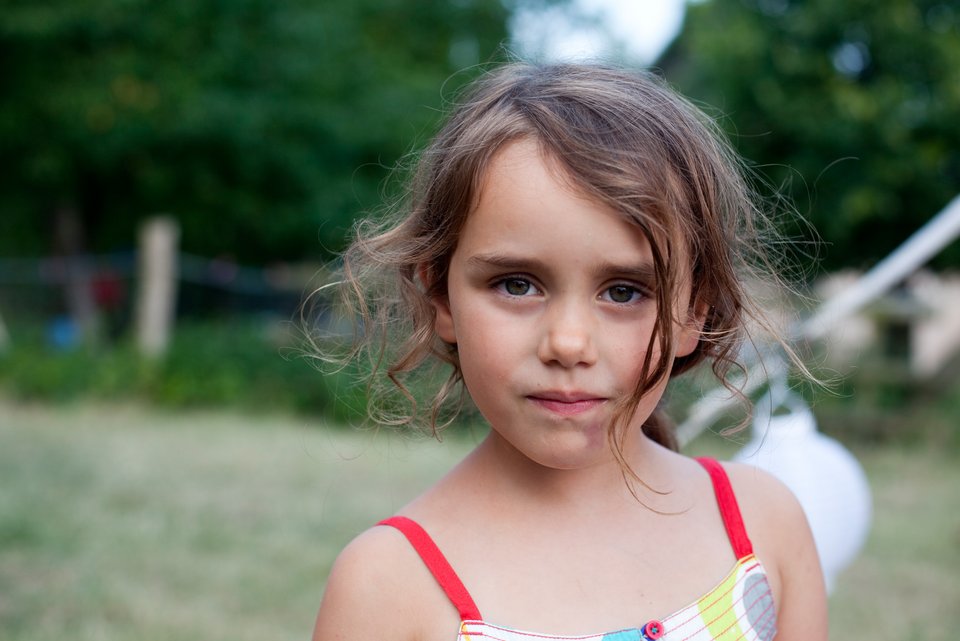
x=906, y=583
x=118, y=523
x=121, y=523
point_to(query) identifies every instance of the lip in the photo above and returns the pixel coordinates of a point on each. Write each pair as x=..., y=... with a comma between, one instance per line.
x=566, y=403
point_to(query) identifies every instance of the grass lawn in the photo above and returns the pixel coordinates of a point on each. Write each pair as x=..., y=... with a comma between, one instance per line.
x=118, y=522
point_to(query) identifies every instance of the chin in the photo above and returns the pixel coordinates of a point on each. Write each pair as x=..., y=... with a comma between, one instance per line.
x=574, y=456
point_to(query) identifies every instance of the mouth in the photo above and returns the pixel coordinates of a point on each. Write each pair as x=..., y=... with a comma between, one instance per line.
x=566, y=404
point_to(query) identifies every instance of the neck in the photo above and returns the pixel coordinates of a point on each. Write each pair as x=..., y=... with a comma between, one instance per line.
x=598, y=485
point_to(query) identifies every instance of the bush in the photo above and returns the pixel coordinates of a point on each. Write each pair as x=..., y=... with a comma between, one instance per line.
x=246, y=364
x=256, y=365
x=879, y=402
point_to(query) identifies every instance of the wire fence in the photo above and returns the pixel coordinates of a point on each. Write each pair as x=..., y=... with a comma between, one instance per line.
x=34, y=289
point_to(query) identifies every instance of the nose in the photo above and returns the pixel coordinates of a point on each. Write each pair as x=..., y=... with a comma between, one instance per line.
x=567, y=336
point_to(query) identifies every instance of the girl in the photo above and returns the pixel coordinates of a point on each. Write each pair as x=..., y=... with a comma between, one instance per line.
x=574, y=237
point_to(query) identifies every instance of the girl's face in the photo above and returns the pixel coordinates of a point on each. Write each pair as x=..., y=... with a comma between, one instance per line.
x=550, y=303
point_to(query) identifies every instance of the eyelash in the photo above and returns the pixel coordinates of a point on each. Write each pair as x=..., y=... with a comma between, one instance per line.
x=636, y=294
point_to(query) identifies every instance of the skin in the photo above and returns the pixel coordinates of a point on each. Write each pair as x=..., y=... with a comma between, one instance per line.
x=549, y=304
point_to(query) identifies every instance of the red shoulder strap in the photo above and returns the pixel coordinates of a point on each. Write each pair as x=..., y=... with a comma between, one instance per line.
x=729, y=509
x=437, y=564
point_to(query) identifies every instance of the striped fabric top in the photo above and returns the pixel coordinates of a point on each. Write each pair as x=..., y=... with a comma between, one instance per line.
x=739, y=608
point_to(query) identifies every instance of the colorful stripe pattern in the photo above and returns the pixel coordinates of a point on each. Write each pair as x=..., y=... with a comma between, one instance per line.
x=740, y=608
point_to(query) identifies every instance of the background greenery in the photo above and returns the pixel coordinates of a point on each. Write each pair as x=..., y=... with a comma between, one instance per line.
x=851, y=107
x=263, y=126
x=242, y=362
x=266, y=127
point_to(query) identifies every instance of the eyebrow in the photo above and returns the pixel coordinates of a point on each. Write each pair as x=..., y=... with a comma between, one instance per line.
x=504, y=261
x=643, y=272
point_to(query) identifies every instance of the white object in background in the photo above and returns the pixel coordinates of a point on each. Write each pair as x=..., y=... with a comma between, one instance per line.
x=925, y=243
x=825, y=477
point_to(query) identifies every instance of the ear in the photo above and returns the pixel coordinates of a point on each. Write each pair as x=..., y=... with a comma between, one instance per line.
x=443, y=323
x=687, y=336
x=443, y=320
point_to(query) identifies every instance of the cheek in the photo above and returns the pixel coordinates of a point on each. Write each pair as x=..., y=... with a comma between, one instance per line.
x=491, y=350
x=487, y=375
x=633, y=341
x=629, y=353
x=484, y=342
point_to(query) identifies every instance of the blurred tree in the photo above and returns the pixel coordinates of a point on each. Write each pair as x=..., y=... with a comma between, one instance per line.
x=854, y=107
x=254, y=122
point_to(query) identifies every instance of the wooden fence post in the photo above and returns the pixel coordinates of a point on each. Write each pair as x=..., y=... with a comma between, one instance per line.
x=157, y=295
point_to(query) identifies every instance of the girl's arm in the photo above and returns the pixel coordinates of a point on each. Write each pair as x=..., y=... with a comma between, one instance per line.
x=803, y=599
x=365, y=594
x=784, y=543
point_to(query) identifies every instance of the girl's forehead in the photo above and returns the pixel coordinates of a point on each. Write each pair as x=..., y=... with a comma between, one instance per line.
x=510, y=162
x=512, y=166
x=525, y=175
x=527, y=199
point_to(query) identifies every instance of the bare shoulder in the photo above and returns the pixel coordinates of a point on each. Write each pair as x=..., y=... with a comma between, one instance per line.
x=773, y=517
x=778, y=528
x=368, y=590
x=764, y=500
x=360, y=593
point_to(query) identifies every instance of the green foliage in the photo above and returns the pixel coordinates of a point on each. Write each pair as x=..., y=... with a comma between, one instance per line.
x=853, y=106
x=236, y=364
x=256, y=123
x=878, y=402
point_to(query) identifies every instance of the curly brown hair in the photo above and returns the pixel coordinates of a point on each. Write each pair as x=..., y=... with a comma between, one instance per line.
x=623, y=138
